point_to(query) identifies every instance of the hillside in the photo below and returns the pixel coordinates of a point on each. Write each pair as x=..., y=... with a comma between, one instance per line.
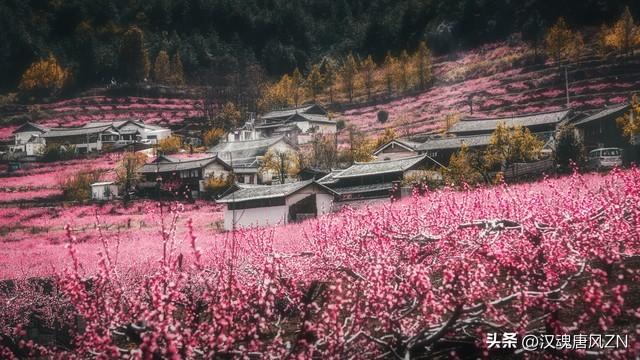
x=501, y=83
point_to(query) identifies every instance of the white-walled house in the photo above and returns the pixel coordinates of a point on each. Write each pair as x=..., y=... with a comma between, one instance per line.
x=298, y=123
x=190, y=172
x=245, y=157
x=93, y=136
x=28, y=139
x=263, y=205
x=105, y=190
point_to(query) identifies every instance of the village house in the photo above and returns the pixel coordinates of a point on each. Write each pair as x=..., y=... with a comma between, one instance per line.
x=105, y=190
x=376, y=179
x=261, y=205
x=536, y=123
x=93, y=136
x=245, y=157
x=600, y=129
x=298, y=124
x=187, y=173
x=28, y=139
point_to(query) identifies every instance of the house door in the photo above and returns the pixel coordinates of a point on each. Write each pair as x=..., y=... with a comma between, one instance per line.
x=303, y=209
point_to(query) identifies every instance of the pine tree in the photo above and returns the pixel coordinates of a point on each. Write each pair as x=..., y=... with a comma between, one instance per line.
x=402, y=75
x=161, y=68
x=134, y=59
x=368, y=68
x=423, y=64
x=314, y=81
x=348, y=74
x=330, y=71
x=390, y=64
x=177, y=71
x=625, y=34
x=562, y=43
x=297, y=87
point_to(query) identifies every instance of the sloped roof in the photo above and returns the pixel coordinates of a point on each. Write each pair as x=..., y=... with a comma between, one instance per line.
x=120, y=123
x=359, y=189
x=240, y=146
x=330, y=178
x=454, y=142
x=311, y=118
x=409, y=145
x=62, y=132
x=285, y=113
x=29, y=126
x=165, y=164
x=610, y=111
x=490, y=124
x=380, y=167
x=257, y=192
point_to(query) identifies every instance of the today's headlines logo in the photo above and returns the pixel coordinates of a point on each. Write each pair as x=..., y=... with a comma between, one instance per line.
x=533, y=342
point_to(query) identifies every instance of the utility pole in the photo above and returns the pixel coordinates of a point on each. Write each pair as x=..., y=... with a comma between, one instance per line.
x=566, y=85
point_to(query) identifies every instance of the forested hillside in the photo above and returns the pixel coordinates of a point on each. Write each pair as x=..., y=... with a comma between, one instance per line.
x=215, y=38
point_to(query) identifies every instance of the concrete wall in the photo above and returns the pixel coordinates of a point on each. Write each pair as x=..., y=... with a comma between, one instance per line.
x=98, y=192
x=263, y=216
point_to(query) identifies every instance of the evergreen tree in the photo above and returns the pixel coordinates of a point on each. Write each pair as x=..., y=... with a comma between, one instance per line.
x=177, y=71
x=368, y=68
x=348, y=74
x=161, y=68
x=390, y=64
x=423, y=64
x=314, y=81
x=134, y=60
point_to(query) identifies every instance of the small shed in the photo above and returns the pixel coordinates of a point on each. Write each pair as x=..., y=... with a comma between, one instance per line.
x=105, y=190
x=262, y=205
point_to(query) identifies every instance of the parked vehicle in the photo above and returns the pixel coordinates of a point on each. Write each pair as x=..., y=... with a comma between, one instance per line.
x=605, y=158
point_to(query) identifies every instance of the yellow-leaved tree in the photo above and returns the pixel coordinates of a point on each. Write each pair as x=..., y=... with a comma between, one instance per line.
x=511, y=145
x=348, y=74
x=213, y=136
x=44, y=75
x=297, y=88
x=315, y=81
x=177, y=70
x=170, y=145
x=388, y=135
x=422, y=59
x=281, y=163
x=563, y=43
x=402, y=71
x=127, y=171
x=277, y=95
x=463, y=168
x=624, y=36
x=390, y=65
x=161, y=68
x=330, y=71
x=368, y=68
x=630, y=121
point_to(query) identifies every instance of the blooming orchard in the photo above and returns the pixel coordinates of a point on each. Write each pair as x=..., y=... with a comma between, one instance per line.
x=422, y=277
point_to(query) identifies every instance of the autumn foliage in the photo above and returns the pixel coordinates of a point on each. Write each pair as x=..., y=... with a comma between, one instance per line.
x=45, y=74
x=422, y=277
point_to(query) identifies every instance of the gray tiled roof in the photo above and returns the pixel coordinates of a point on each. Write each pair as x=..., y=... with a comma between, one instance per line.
x=616, y=110
x=380, y=167
x=330, y=178
x=313, y=118
x=406, y=143
x=119, y=123
x=28, y=124
x=62, y=132
x=285, y=113
x=362, y=188
x=454, y=142
x=251, y=146
x=256, y=192
x=489, y=124
x=168, y=164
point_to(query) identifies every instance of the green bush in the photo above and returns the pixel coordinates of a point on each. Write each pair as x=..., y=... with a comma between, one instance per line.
x=78, y=186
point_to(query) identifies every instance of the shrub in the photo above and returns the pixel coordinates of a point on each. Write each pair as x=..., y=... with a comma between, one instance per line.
x=78, y=186
x=383, y=116
x=569, y=149
x=212, y=136
x=217, y=184
x=170, y=145
x=56, y=152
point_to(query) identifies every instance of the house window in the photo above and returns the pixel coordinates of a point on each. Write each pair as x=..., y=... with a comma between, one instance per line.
x=241, y=179
x=251, y=178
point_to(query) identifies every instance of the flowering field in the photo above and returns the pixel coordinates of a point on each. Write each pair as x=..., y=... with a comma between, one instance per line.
x=42, y=180
x=497, y=85
x=423, y=277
